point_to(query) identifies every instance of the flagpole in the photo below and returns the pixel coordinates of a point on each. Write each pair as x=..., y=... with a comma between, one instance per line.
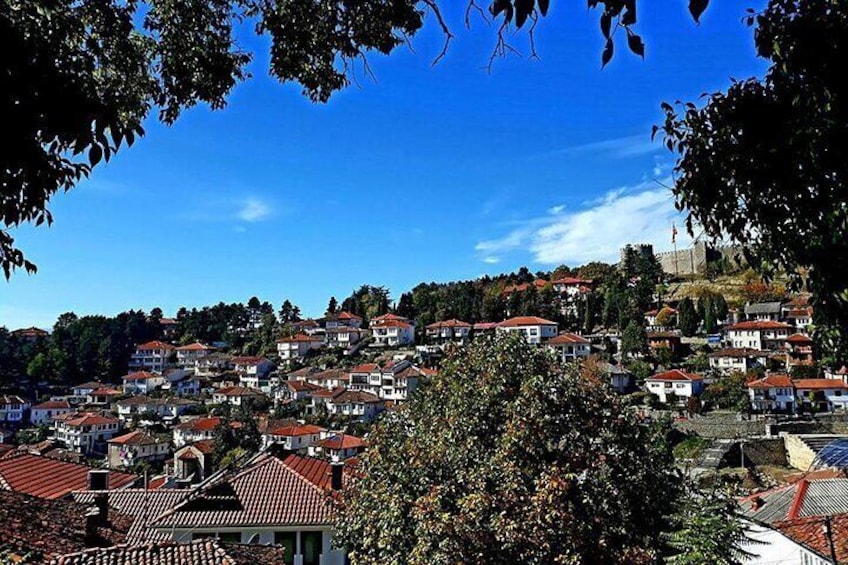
x=674, y=243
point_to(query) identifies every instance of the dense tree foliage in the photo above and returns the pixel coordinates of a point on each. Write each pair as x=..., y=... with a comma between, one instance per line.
x=763, y=163
x=687, y=317
x=506, y=457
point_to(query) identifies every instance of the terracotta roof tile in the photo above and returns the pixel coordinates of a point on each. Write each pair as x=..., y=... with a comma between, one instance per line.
x=153, y=345
x=526, y=321
x=568, y=339
x=50, y=478
x=676, y=375
x=759, y=325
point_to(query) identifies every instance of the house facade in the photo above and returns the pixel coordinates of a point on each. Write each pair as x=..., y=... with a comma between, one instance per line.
x=674, y=385
x=43, y=414
x=534, y=329
x=152, y=356
x=760, y=335
x=12, y=408
x=569, y=347
x=772, y=393
x=142, y=382
x=297, y=346
x=392, y=333
x=127, y=450
x=742, y=360
x=85, y=433
x=454, y=330
x=187, y=355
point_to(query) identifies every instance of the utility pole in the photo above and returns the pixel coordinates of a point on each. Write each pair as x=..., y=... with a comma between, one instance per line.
x=742, y=452
x=829, y=533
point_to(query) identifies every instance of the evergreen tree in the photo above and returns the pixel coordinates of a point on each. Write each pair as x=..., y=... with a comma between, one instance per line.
x=634, y=340
x=332, y=306
x=687, y=318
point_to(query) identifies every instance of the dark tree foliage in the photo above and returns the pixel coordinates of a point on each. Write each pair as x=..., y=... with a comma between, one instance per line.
x=505, y=457
x=687, y=318
x=764, y=162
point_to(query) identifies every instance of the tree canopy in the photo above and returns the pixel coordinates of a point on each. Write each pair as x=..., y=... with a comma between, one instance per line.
x=505, y=457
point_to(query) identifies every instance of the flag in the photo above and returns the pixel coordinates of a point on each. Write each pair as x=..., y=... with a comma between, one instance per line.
x=673, y=233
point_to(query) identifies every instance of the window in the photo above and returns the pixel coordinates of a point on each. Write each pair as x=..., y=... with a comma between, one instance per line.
x=311, y=545
x=231, y=537
x=288, y=541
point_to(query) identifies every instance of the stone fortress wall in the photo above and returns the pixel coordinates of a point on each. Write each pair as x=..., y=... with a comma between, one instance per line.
x=691, y=261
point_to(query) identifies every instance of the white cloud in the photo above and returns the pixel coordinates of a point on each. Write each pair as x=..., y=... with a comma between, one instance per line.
x=253, y=210
x=620, y=147
x=639, y=214
x=556, y=210
x=491, y=259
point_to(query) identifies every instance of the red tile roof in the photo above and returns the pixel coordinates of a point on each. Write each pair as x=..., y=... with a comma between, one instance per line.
x=269, y=492
x=196, y=346
x=316, y=471
x=326, y=393
x=347, y=316
x=390, y=316
x=141, y=376
x=86, y=419
x=572, y=281
x=200, y=424
x=391, y=324
x=820, y=384
x=52, y=405
x=239, y=391
x=759, y=325
x=772, y=381
x=301, y=386
x=454, y=323
x=134, y=438
x=341, y=441
x=153, y=345
x=198, y=552
x=44, y=529
x=297, y=338
x=355, y=397
x=50, y=478
x=366, y=368
x=249, y=360
x=810, y=532
x=799, y=338
x=676, y=375
x=105, y=392
x=142, y=504
x=296, y=430
x=526, y=321
x=567, y=339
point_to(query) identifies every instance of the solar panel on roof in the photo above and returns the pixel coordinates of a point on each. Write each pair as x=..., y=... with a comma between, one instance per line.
x=833, y=455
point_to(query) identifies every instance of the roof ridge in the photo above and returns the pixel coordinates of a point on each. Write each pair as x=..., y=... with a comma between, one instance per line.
x=798, y=501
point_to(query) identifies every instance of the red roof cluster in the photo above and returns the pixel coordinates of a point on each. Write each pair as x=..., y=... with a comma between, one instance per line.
x=196, y=346
x=296, y=338
x=568, y=339
x=50, y=478
x=454, y=323
x=342, y=441
x=772, y=381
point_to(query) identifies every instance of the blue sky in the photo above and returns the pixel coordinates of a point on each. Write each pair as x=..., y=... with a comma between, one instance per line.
x=429, y=173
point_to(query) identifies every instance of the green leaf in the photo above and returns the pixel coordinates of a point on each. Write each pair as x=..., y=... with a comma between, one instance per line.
x=636, y=44
x=95, y=154
x=543, y=6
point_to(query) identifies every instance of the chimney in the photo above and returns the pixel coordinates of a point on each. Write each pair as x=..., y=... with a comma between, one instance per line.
x=101, y=501
x=336, y=479
x=98, y=479
x=92, y=521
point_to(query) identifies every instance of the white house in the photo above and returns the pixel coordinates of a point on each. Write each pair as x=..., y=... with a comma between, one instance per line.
x=340, y=319
x=297, y=346
x=152, y=356
x=344, y=337
x=236, y=395
x=276, y=501
x=569, y=347
x=534, y=329
x=367, y=377
x=392, y=333
x=338, y=447
x=85, y=432
x=168, y=409
x=359, y=405
x=257, y=367
x=126, y=450
x=761, y=335
x=737, y=359
x=43, y=414
x=764, y=311
x=83, y=390
x=12, y=408
x=774, y=392
x=194, y=430
x=824, y=395
x=187, y=355
x=213, y=363
x=448, y=331
x=674, y=384
x=572, y=286
x=293, y=437
x=142, y=382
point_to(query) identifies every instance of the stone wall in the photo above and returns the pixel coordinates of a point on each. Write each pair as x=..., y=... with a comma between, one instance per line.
x=758, y=452
x=722, y=425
